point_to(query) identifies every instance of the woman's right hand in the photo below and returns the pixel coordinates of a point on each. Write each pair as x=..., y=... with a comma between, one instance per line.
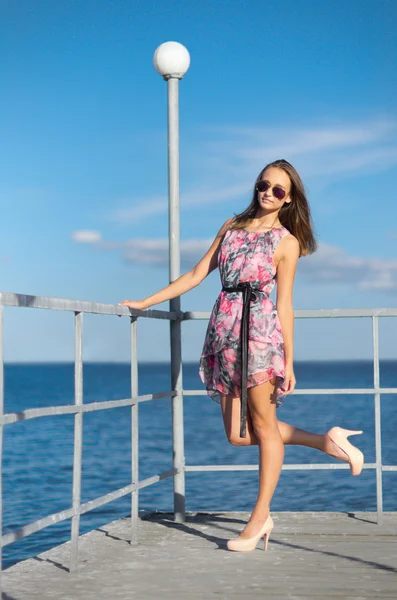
x=137, y=304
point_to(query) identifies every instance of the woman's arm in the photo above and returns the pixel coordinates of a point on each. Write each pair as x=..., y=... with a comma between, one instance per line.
x=286, y=270
x=188, y=280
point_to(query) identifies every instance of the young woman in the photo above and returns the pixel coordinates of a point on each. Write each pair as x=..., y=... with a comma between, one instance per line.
x=247, y=359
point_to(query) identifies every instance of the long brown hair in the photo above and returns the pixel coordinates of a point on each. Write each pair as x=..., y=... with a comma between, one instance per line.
x=295, y=216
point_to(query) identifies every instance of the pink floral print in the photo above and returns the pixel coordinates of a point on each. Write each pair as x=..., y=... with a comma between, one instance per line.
x=244, y=256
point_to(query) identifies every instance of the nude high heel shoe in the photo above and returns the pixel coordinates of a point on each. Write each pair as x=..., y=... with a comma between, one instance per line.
x=248, y=544
x=354, y=456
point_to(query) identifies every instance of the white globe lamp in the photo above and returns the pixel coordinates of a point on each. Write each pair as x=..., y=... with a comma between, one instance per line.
x=171, y=59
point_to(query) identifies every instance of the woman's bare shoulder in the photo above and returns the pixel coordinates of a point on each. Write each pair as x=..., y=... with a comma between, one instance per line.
x=288, y=247
x=226, y=226
x=290, y=238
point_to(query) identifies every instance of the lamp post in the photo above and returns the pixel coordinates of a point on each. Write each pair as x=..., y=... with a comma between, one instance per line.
x=172, y=60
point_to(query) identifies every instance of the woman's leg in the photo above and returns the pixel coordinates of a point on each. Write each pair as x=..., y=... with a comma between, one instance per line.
x=262, y=403
x=231, y=410
x=290, y=435
x=300, y=437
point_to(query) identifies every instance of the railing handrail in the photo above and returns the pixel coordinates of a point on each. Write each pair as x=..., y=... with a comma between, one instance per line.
x=314, y=312
x=85, y=306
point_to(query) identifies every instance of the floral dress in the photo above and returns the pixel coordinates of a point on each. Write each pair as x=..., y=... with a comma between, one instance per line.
x=244, y=256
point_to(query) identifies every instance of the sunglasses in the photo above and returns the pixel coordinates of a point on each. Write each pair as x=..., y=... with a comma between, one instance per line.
x=278, y=192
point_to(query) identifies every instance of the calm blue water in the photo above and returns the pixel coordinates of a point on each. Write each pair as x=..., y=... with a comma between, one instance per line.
x=38, y=454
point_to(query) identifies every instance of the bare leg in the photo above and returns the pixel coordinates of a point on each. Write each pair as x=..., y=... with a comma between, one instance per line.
x=320, y=441
x=290, y=435
x=300, y=437
x=261, y=400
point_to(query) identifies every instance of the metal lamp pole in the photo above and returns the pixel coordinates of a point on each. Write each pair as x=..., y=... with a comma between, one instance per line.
x=172, y=60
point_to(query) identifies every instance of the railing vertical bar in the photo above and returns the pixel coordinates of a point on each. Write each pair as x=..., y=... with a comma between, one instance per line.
x=1, y=437
x=134, y=432
x=78, y=438
x=378, y=437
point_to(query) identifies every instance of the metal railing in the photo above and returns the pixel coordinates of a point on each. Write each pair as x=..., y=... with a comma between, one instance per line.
x=179, y=466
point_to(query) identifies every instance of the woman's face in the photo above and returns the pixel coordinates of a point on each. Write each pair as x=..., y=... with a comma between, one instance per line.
x=278, y=178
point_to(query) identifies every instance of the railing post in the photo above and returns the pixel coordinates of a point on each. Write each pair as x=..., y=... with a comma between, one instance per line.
x=134, y=433
x=175, y=303
x=1, y=437
x=378, y=436
x=178, y=449
x=78, y=438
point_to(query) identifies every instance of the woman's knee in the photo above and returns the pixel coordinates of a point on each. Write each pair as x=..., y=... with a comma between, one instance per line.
x=264, y=427
x=235, y=440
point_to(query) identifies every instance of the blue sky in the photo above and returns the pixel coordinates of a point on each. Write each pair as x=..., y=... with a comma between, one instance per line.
x=83, y=120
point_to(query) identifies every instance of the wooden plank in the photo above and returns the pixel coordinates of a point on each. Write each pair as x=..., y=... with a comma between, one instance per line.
x=310, y=555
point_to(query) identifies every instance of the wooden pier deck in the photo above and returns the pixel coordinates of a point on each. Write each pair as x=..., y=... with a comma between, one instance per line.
x=316, y=556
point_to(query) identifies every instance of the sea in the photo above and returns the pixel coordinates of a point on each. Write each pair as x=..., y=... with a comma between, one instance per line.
x=38, y=453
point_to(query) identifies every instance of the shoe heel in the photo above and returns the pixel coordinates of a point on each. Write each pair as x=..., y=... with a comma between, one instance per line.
x=265, y=540
x=348, y=432
x=267, y=534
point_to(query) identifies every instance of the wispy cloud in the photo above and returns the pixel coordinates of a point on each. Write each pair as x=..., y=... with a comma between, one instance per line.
x=332, y=264
x=295, y=141
x=329, y=265
x=154, y=252
x=200, y=196
x=136, y=209
x=229, y=158
x=86, y=236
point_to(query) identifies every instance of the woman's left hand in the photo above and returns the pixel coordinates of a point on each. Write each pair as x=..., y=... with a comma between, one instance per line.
x=289, y=380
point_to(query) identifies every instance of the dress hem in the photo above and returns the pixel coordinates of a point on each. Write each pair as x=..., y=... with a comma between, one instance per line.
x=214, y=393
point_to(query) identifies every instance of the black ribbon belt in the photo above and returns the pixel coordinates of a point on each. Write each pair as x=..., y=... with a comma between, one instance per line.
x=246, y=288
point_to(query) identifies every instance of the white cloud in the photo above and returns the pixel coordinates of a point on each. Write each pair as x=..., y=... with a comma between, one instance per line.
x=152, y=206
x=155, y=251
x=86, y=237
x=296, y=141
x=228, y=161
x=331, y=264
x=135, y=209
